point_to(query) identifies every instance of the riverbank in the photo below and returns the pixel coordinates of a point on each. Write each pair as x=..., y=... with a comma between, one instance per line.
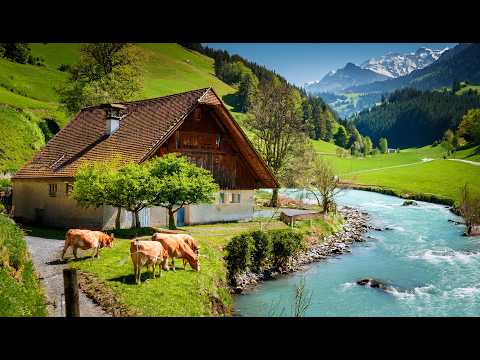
x=355, y=225
x=431, y=198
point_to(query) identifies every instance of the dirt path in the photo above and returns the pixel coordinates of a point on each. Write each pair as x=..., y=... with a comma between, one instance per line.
x=389, y=167
x=476, y=163
x=45, y=255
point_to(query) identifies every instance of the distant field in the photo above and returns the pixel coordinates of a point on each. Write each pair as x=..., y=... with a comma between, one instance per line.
x=405, y=172
x=439, y=177
x=471, y=154
x=351, y=164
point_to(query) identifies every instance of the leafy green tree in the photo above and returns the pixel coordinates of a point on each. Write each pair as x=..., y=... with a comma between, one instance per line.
x=383, y=145
x=106, y=72
x=129, y=186
x=277, y=125
x=367, y=145
x=17, y=52
x=469, y=127
x=341, y=137
x=322, y=182
x=247, y=90
x=178, y=182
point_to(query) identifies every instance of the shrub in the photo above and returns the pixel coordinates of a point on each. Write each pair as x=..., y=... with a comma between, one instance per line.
x=262, y=248
x=239, y=251
x=64, y=67
x=285, y=243
x=5, y=182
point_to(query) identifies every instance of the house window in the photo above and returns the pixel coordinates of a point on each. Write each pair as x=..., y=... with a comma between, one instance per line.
x=52, y=189
x=221, y=199
x=68, y=188
x=235, y=198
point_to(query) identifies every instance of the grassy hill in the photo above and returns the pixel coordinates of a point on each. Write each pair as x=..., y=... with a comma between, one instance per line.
x=29, y=103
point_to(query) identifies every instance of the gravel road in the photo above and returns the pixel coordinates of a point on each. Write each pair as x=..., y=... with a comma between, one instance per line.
x=46, y=255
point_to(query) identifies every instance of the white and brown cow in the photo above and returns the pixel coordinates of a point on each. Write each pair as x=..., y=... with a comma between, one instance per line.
x=147, y=253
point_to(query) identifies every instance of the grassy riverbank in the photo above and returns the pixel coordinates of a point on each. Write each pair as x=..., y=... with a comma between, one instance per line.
x=180, y=293
x=109, y=279
x=20, y=292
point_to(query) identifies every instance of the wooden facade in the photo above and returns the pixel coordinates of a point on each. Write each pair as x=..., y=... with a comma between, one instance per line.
x=206, y=142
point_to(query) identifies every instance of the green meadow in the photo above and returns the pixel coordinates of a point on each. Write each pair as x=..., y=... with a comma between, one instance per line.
x=409, y=171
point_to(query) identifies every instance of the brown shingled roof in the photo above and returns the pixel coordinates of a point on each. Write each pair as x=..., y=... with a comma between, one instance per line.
x=147, y=124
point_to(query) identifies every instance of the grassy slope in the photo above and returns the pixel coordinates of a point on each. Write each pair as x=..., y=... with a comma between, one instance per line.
x=32, y=88
x=324, y=147
x=180, y=293
x=20, y=292
x=16, y=149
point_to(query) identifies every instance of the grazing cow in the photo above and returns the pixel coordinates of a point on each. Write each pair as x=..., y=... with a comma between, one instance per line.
x=177, y=248
x=147, y=253
x=192, y=243
x=86, y=239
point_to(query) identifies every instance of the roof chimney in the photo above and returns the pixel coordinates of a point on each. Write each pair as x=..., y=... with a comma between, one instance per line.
x=114, y=115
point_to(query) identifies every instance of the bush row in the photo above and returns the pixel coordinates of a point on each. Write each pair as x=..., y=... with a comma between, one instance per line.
x=258, y=250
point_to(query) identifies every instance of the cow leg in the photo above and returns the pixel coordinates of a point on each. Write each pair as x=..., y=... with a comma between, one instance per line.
x=184, y=264
x=75, y=252
x=173, y=264
x=65, y=250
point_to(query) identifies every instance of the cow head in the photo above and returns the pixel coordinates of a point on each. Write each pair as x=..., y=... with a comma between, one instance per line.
x=195, y=264
x=108, y=240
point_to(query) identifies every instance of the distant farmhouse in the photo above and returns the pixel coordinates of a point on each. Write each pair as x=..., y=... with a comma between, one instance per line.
x=195, y=123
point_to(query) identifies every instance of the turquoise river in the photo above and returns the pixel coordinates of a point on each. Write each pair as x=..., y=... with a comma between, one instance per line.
x=432, y=268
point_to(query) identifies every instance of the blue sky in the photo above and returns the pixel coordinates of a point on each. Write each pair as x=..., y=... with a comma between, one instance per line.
x=300, y=62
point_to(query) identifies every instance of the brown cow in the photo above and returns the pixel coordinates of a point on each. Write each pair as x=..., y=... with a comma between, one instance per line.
x=192, y=243
x=147, y=253
x=177, y=248
x=86, y=239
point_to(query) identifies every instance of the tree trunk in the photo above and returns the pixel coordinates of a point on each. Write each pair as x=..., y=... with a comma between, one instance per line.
x=137, y=219
x=274, y=199
x=117, y=219
x=171, y=220
x=325, y=205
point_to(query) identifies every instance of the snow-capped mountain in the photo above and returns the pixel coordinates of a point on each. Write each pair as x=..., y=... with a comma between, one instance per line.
x=395, y=65
x=391, y=65
x=338, y=80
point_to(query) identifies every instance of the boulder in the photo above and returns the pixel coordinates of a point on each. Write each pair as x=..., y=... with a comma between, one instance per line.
x=409, y=202
x=376, y=284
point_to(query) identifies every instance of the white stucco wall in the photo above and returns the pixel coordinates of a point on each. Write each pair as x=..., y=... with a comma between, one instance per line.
x=62, y=211
x=58, y=211
x=216, y=212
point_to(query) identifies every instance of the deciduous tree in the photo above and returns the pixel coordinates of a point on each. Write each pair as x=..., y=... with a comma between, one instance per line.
x=106, y=72
x=277, y=125
x=179, y=183
x=469, y=208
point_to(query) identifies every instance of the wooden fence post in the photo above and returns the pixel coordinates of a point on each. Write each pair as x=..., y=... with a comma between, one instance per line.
x=70, y=283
